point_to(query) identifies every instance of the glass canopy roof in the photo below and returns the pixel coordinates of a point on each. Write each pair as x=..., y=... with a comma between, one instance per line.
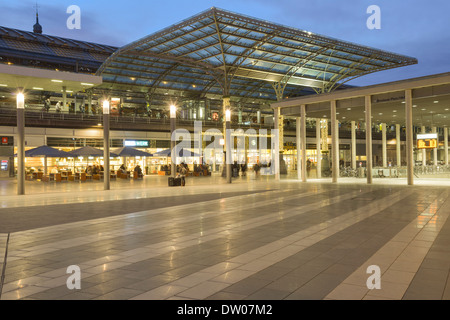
x=221, y=53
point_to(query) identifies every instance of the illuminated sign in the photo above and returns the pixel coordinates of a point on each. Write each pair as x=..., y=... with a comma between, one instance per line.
x=427, y=141
x=7, y=141
x=4, y=165
x=137, y=143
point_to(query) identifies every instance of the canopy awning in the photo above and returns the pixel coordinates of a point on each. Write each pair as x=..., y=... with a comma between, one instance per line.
x=131, y=152
x=222, y=53
x=89, y=152
x=182, y=153
x=46, y=151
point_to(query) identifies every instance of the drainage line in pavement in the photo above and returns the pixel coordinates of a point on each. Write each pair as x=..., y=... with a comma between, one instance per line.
x=2, y=280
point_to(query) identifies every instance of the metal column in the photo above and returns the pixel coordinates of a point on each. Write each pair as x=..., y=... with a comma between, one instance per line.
x=173, y=156
x=318, y=148
x=303, y=141
x=298, y=127
x=106, y=147
x=435, y=150
x=276, y=143
x=424, y=152
x=399, y=145
x=409, y=137
x=384, y=144
x=20, y=143
x=229, y=156
x=368, y=106
x=334, y=143
x=446, y=146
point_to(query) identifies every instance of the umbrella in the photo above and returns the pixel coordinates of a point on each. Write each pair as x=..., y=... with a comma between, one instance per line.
x=89, y=152
x=45, y=151
x=181, y=153
x=131, y=152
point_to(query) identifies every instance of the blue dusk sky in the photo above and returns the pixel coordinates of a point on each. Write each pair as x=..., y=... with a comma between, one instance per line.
x=415, y=28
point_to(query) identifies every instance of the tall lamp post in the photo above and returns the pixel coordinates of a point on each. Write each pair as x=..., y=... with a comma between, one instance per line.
x=228, y=156
x=20, y=99
x=173, y=156
x=106, y=153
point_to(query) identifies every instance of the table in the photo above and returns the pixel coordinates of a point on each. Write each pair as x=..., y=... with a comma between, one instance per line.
x=81, y=176
x=55, y=177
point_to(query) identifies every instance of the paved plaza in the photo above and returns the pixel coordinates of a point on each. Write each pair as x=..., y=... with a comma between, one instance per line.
x=254, y=239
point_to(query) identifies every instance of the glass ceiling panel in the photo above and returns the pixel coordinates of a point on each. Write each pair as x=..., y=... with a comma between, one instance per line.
x=239, y=41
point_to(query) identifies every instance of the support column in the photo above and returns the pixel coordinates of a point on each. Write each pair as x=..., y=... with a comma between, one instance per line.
x=20, y=100
x=229, y=156
x=368, y=105
x=424, y=152
x=338, y=150
x=106, y=147
x=399, y=145
x=353, y=145
x=89, y=102
x=64, y=99
x=409, y=137
x=276, y=143
x=384, y=144
x=173, y=156
x=225, y=106
x=435, y=150
x=298, y=142
x=303, y=141
x=335, y=144
x=446, y=146
x=318, y=148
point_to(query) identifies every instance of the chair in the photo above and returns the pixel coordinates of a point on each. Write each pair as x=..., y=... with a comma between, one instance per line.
x=137, y=176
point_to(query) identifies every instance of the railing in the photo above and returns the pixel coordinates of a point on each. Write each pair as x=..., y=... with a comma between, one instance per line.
x=442, y=171
x=431, y=170
x=36, y=114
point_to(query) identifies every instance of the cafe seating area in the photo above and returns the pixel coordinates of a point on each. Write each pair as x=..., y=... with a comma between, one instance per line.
x=67, y=175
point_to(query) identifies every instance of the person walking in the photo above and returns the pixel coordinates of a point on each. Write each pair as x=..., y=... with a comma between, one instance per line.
x=256, y=168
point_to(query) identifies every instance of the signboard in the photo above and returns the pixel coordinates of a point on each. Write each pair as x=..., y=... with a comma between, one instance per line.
x=137, y=143
x=427, y=141
x=4, y=165
x=7, y=141
x=115, y=106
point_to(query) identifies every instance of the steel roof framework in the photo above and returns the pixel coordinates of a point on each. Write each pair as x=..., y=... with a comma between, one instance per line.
x=229, y=54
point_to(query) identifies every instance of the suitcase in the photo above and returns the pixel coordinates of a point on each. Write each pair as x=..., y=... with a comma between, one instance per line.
x=174, y=182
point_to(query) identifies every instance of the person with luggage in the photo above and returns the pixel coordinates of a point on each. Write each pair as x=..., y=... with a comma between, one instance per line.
x=183, y=173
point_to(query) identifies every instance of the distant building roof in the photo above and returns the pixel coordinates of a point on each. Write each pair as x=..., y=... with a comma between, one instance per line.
x=51, y=52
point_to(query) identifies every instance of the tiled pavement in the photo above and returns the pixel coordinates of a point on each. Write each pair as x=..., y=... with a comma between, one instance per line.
x=254, y=239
